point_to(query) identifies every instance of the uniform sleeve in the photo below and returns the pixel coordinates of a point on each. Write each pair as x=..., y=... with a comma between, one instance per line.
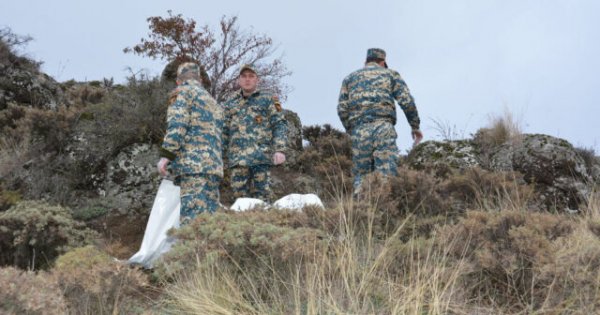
x=342, y=108
x=405, y=100
x=178, y=120
x=279, y=126
x=226, y=129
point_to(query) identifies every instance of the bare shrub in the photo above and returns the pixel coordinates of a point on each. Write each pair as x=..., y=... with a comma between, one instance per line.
x=446, y=130
x=175, y=38
x=10, y=54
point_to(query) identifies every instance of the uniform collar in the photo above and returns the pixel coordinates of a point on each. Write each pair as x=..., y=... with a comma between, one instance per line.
x=372, y=64
x=255, y=93
x=191, y=82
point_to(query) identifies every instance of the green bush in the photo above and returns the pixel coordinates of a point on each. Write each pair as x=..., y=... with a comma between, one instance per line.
x=34, y=233
x=25, y=292
x=245, y=241
x=136, y=114
x=8, y=198
x=33, y=143
x=90, y=212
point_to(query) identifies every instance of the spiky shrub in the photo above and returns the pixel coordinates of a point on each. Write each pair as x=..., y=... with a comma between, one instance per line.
x=94, y=283
x=34, y=233
x=26, y=292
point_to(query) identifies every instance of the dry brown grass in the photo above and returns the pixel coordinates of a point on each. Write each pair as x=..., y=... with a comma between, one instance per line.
x=501, y=258
x=503, y=128
x=357, y=274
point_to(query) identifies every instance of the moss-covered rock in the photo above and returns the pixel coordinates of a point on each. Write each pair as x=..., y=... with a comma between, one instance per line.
x=552, y=164
x=460, y=154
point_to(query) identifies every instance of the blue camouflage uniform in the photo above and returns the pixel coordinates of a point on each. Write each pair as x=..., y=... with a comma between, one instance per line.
x=367, y=110
x=193, y=144
x=255, y=129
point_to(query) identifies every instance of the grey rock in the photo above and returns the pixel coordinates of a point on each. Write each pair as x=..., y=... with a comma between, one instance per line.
x=28, y=87
x=131, y=179
x=552, y=164
x=460, y=154
x=560, y=175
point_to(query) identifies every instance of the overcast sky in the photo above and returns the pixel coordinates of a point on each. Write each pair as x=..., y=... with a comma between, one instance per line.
x=462, y=60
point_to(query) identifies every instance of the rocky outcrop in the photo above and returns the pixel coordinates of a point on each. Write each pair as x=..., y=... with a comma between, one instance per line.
x=563, y=180
x=552, y=164
x=28, y=87
x=460, y=154
x=131, y=178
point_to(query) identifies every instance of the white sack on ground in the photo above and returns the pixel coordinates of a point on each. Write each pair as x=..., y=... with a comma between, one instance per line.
x=244, y=204
x=164, y=216
x=298, y=201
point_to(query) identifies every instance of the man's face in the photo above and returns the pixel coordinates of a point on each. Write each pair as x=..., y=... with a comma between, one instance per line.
x=248, y=81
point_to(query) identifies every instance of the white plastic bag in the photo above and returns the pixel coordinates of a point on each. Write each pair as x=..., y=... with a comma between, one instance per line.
x=298, y=201
x=244, y=204
x=164, y=216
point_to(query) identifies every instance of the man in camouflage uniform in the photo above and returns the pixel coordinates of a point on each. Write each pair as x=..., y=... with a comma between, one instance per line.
x=192, y=143
x=254, y=137
x=368, y=112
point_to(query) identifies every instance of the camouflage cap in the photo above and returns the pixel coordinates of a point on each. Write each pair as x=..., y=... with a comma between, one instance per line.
x=188, y=67
x=248, y=67
x=376, y=53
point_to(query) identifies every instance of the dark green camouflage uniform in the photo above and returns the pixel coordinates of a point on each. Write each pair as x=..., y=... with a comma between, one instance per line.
x=193, y=144
x=368, y=112
x=255, y=128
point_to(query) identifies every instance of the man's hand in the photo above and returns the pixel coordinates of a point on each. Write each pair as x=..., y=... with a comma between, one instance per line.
x=417, y=136
x=162, y=166
x=278, y=158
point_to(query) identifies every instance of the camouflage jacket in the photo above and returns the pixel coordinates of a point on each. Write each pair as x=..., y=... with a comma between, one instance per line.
x=194, y=129
x=368, y=95
x=255, y=128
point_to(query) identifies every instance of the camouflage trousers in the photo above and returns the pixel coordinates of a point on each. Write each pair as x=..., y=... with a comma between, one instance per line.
x=199, y=193
x=374, y=150
x=252, y=181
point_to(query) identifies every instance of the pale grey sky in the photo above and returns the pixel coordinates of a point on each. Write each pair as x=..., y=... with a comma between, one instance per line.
x=462, y=59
